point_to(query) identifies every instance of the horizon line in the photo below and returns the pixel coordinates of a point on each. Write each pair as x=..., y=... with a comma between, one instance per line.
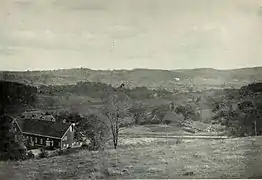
x=131, y=69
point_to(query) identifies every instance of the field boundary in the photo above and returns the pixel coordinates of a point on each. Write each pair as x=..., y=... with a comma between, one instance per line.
x=172, y=136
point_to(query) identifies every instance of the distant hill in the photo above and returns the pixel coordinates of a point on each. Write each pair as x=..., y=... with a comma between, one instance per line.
x=184, y=79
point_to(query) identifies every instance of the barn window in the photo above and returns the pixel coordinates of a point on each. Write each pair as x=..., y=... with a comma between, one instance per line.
x=47, y=143
x=41, y=141
x=35, y=139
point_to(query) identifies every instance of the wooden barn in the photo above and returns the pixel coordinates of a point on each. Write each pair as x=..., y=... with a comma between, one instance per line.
x=49, y=134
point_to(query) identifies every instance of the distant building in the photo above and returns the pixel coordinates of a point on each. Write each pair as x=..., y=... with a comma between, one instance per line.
x=173, y=118
x=43, y=133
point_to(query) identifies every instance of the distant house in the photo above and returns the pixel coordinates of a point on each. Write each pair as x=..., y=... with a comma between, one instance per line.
x=173, y=118
x=43, y=133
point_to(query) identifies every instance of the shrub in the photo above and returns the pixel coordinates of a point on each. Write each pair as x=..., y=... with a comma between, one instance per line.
x=85, y=146
x=10, y=146
x=14, y=154
x=179, y=141
x=43, y=153
x=187, y=111
x=18, y=153
x=61, y=152
x=167, y=121
x=30, y=155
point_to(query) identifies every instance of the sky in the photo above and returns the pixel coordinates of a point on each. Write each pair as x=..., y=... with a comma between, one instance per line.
x=127, y=34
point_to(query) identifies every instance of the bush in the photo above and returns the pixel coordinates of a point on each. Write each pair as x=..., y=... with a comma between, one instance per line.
x=30, y=155
x=18, y=153
x=179, y=141
x=167, y=121
x=61, y=152
x=14, y=154
x=156, y=121
x=85, y=146
x=10, y=146
x=43, y=153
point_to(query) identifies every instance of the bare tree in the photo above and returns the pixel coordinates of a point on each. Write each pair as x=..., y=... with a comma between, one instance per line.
x=115, y=107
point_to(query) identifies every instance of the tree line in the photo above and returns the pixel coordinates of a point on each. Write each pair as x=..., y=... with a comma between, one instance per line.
x=97, y=89
x=13, y=96
x=241, y=110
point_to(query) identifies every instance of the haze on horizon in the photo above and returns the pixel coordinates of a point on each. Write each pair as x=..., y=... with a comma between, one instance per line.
x=127, y=34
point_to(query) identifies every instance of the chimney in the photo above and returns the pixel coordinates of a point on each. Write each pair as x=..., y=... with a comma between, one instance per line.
x=73, y=127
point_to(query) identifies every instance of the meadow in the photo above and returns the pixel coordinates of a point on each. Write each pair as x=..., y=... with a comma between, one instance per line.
x=146, y=158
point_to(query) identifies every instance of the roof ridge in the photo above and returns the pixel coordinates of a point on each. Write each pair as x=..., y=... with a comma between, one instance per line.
x=43, y=127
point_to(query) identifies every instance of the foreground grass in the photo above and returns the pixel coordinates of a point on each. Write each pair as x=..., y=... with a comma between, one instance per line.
x=149, y=158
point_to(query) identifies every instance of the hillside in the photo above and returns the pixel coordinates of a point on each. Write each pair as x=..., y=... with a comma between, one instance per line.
x=186, y=79
x=148, y=158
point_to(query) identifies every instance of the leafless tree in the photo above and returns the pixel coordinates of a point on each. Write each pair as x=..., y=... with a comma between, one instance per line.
x=115, y=107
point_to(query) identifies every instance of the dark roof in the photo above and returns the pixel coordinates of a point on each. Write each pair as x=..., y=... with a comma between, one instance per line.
x=43, y=128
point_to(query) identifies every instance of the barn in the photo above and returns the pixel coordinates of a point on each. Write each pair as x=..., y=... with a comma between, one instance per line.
x=49, y=134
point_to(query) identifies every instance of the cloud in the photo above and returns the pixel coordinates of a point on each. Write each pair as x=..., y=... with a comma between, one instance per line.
x=153, y=34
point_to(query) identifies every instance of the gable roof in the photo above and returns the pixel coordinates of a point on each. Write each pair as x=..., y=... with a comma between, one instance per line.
x=43, y=128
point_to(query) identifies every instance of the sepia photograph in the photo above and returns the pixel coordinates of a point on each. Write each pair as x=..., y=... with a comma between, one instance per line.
x=130, y=89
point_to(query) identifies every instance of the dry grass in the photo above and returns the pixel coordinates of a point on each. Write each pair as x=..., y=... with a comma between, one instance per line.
x=149, y=158
x=156, y=129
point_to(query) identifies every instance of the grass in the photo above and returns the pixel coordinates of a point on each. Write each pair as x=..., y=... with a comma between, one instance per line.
x=155, y=129
x=147, y=158
x=161, y=130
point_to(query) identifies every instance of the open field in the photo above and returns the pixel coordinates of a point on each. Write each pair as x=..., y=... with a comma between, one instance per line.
x=149, y=158
x=164, y=131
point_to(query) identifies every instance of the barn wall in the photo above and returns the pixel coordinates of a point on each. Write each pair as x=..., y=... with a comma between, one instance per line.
x=39, y=141
x=68, y=139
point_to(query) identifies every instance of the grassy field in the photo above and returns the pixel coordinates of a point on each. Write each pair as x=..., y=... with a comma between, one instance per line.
x=149, y=158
